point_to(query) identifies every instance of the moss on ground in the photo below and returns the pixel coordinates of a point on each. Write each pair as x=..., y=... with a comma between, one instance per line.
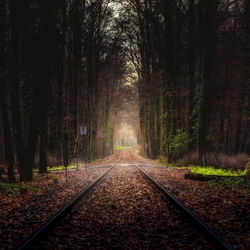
x=13, y=188
x=55, y=168
x=216, y=171
x=238, y=182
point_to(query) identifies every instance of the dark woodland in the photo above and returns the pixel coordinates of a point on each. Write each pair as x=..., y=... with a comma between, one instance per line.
x=64, y=64
x=114, y=95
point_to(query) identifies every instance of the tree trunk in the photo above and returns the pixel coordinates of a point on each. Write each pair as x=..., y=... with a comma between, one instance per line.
x=41, y=62
x=9, y=158
x=207, y=49
x=8, y=153
x=43, y=161
x=191, y=73
x=15, y=12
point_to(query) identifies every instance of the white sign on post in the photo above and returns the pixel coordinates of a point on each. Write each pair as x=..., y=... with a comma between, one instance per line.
x=83, y=130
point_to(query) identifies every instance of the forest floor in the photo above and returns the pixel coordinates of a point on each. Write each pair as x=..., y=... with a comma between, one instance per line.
x=21, y=212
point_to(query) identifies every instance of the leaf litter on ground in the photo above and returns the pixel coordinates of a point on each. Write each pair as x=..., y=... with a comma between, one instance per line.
x=225, y=209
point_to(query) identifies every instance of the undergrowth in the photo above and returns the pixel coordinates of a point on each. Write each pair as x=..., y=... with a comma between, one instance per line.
x=236, y=182
x=217, y=160
x=238, y=165
x=163, y=162
x=55, y=168
x=122, y=147
x=13, y=188
x=216, y=171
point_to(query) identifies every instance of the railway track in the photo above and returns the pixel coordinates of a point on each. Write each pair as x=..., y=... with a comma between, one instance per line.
x=104, y=212
x=217, y=240
x=49, y=224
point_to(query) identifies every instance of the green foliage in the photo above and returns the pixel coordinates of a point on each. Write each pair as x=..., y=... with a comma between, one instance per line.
x=60, y=168
x=36, y=170
x=235, y=182
x=9, y=188
x=179, y=145
x=121, y=148
x=13, y=188
x=215, y=171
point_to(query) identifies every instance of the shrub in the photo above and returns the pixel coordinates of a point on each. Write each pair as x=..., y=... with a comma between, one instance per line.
x=179, y=145
x=236, y=182
x=191, y=158
x=221, y=160
x=52, y=160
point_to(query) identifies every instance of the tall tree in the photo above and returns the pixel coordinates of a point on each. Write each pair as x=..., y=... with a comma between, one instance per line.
x=205, y=82
x=5, y=117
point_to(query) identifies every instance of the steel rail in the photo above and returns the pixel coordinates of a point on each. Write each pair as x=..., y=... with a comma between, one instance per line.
x=217, y=240
x=50, y=223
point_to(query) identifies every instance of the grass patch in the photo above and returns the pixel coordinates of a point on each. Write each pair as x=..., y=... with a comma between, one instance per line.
x=9, y=188
x=13, y=188
x=121, y=148
x=236, y=182
x=55, y=168
x=60, y=168
x=215, y=171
